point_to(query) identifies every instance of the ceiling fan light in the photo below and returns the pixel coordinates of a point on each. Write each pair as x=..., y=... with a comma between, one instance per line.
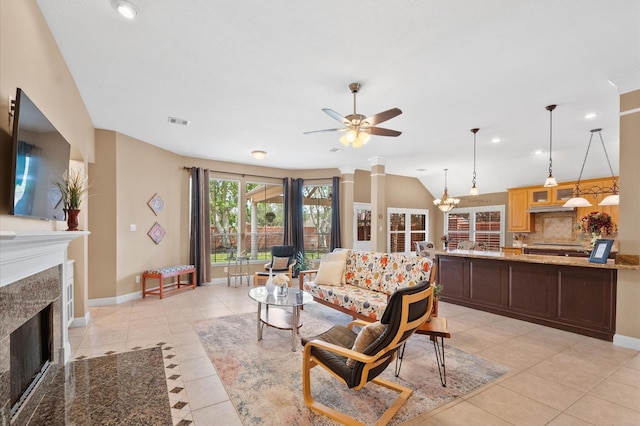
x=343, y=140
x=611, y=200
x=351, y=136
x=577, y=202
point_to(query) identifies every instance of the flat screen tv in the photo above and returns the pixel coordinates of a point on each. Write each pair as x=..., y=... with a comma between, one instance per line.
x=40, y=158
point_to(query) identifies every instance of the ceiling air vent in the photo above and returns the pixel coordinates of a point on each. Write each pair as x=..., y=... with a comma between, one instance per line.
x=175, y=120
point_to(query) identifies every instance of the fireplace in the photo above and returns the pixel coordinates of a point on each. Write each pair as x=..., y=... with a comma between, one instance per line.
x=30, y=347
x=32, y=324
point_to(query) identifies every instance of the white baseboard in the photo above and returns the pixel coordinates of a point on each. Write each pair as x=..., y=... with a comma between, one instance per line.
x=626, y=342
x=81, y=321
x=115, y=300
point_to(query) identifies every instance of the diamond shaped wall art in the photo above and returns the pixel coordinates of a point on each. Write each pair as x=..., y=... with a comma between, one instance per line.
x=156, y=204
x=156, y=233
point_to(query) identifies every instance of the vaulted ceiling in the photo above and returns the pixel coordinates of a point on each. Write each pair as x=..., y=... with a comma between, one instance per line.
x=254, y=75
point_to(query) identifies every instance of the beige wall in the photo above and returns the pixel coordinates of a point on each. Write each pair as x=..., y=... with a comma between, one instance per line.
x=628, y=298
x=30, y=59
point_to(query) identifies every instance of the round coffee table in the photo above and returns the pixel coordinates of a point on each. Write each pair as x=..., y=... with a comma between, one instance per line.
x=281, y=317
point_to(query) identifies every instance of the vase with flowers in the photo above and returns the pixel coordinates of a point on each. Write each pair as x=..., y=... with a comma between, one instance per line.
x=73, y=189
x=445, y=241
x=596, y=224
x=281, y=281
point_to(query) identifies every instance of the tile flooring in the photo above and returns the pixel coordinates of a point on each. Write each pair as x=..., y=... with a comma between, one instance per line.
x=556, y=378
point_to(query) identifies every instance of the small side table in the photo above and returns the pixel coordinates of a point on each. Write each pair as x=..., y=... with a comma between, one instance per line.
x=238, y=269
x=435, y=328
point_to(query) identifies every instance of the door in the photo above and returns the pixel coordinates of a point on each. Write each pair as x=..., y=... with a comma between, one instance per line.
x=362, y=226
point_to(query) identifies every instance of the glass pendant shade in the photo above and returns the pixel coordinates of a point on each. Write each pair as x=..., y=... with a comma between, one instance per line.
x=577, y=202
x=473, y=191
x=611, y=200
x=551, y=181
x=355, y=138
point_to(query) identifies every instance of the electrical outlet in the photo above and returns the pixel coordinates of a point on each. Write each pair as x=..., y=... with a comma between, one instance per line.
x=137, y=279
x=226, y=269
x=12, y=105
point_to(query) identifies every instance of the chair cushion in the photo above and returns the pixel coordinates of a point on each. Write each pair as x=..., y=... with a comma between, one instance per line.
x=368, y=334
x=280, y=262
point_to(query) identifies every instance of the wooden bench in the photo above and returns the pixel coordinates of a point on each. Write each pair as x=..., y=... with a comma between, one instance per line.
x=170, y=271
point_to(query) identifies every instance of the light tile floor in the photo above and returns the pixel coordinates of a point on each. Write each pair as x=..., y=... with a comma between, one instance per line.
x=556, y=377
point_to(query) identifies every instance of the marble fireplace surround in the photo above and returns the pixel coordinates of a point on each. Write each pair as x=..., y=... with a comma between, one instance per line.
x=32, y=274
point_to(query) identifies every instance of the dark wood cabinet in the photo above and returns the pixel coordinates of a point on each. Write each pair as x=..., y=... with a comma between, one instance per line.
x=573, y=298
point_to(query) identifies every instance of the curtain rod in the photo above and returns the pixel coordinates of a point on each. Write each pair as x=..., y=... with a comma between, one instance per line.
x=260, y=176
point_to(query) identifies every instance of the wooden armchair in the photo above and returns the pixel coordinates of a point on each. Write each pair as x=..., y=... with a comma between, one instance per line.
x=407, y=310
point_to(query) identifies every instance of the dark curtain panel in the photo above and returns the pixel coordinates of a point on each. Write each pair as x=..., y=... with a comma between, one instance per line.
x=297, y=221
x=335, y=214
x=200, y=241
x=286, y=230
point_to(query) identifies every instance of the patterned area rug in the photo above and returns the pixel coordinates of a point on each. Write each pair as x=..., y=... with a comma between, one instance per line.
x=263, y=378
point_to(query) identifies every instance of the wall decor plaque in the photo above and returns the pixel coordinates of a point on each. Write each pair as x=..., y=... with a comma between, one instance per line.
x=156, y=233
x=156, y=204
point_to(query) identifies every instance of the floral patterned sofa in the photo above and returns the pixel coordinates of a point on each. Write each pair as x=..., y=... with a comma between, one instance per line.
x=369, y=280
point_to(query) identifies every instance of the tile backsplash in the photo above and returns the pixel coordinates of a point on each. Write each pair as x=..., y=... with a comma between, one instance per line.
x=558, y=228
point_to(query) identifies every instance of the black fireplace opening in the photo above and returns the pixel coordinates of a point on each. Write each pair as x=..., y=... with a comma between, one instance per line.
x=31, y=353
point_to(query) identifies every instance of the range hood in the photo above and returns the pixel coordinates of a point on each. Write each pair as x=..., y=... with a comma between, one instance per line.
x=549, y=209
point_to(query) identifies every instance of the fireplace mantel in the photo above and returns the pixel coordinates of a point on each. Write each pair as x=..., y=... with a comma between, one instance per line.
x=24, y=253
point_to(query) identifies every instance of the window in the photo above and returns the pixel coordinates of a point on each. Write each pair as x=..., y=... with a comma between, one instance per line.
x=316, y=214
x=265, y=219
x=224, y=205
x=479, y=224
x=404, y=228
x=253, y=230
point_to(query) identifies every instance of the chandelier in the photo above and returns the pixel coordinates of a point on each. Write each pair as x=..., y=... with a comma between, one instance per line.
x=578, y=200
x=446, y=204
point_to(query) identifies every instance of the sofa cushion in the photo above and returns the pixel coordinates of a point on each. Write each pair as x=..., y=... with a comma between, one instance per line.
x=364, y=269
x=330, y=272
x=404, y=271
x=368, y=303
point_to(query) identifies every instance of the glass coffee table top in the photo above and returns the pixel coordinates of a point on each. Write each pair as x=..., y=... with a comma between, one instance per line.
x=294, y=297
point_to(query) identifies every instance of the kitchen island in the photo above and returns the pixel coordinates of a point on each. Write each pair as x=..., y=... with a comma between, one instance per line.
x=567, y=293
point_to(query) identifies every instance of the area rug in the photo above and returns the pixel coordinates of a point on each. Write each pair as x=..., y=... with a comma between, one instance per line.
x=263, y=378
x=128, y=388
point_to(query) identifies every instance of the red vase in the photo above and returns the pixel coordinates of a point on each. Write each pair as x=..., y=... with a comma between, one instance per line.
x=72, y=219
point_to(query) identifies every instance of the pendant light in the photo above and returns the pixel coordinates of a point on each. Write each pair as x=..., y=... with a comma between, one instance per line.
x=612, y=200
x=445, y=203
x=550, y=179
x=474, y=190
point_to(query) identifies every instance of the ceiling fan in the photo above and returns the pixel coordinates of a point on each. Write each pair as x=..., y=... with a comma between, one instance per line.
x=359, y=128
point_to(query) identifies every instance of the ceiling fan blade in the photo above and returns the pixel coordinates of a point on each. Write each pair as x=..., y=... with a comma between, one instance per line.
x=325, y=130
x=382, y=116
x=379, y=131
x=331, y=113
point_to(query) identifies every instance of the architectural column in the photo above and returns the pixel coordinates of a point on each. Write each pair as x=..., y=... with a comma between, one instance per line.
x=378, y=204
x=254, y=230
x=628, y=290
x=347, y=183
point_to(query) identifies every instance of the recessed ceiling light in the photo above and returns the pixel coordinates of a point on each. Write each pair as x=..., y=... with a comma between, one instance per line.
x=421, y=170
x=176, y=120
x=335, y=150
x=538, y=151
x=258, y=154
x=496, y=140
x=125, y=8
x=590, y=115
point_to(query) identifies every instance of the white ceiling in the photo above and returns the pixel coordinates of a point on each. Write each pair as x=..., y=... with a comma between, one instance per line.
x=255, y=74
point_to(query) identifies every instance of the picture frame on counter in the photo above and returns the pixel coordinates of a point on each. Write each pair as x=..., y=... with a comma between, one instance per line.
x=600, y=252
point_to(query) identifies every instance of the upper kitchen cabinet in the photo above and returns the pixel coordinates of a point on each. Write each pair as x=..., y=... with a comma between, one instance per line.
x=519, y=220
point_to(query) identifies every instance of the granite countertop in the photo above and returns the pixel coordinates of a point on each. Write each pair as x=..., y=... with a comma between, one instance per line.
x=534, y=258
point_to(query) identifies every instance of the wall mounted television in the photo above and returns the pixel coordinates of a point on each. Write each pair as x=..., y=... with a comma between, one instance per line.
x=40, y=157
